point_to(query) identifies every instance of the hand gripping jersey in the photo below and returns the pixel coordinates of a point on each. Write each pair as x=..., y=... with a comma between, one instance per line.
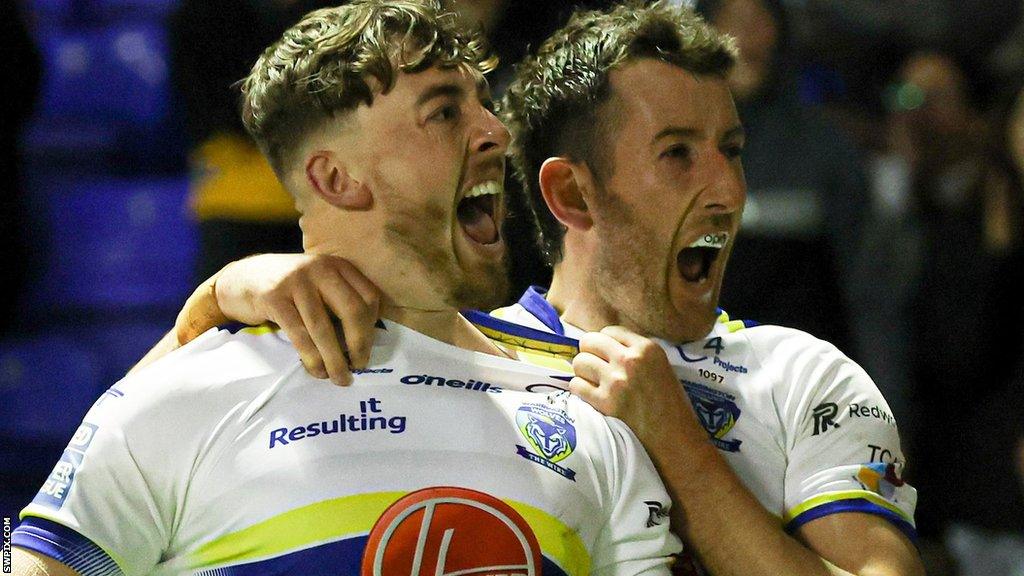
x=226, y=458
x=802, y=425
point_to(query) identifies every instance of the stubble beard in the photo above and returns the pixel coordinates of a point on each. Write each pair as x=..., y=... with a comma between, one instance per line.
x=484, y=286
x=626, y=278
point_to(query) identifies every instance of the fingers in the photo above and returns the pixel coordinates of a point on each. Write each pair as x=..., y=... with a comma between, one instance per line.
x=587, y=391
x=625, y=336
x=366, y=289
x=355, y=301
x=601, y=345
x=302, y=293
x=290, y=321
x=589, y=367
x=321, y=331
x=591, y=382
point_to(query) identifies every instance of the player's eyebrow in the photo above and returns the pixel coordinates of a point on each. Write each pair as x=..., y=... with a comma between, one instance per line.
x=689, y=133
x=438, y=90
x=693, y=133
x=735, y=132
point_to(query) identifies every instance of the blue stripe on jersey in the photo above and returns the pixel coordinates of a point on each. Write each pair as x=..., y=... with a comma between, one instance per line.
x=341, y=558
x=486, y=320
x=64, y=545
x=853, y=505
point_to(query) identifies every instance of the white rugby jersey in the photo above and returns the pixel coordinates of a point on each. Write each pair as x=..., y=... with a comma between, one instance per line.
x=226, y=458
x=802, y=425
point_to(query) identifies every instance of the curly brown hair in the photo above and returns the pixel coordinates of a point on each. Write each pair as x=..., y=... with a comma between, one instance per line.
x=321, y=67
x=555, y=103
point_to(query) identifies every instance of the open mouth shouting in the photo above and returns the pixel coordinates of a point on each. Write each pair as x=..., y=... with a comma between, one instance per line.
x=479, y=213
x=696, y=261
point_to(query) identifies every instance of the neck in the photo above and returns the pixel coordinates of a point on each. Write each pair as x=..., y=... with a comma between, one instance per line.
x=574, y=295
x=446, y=325
x=441, y=323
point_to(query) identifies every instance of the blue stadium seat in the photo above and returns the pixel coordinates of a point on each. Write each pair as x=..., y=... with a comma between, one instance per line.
x=106, y=100
x=111, y=245
x=49, y=383
x=115, y=74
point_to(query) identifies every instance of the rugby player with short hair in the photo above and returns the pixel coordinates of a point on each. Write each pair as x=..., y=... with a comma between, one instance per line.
x=226, y=457
x=627, y=140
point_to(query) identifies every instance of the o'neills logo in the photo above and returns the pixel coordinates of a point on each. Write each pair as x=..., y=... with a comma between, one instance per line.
x=437, y=531
x=442, y=382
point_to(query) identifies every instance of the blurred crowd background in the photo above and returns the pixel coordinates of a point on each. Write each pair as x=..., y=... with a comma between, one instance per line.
x=885, y=211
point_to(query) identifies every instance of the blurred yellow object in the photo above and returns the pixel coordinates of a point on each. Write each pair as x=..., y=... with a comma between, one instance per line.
x=233, y=181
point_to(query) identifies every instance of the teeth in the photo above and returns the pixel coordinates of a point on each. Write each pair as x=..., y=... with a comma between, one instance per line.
x=711, y=240
x=484, y=189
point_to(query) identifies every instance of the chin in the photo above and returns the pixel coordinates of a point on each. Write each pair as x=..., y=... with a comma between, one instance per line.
x=486, y=287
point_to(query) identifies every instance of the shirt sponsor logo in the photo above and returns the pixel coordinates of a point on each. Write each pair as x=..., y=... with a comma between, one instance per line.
x=717, y=412
x=371, y=417
x=55, y=490
x=825, y=417
x=881, y=478
x=729, y=366
x=440, y=531
x=550, y=434
x=882, y=454
x=442, y=382
x=373, y=371
x=656, y=513
x=860, y=411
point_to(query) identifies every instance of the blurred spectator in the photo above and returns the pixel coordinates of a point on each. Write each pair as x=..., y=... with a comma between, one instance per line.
x=241, y=207
x=806, y=188
x=965, y=201
x=21, y=71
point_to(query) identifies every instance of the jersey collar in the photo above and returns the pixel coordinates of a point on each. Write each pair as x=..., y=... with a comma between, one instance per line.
x=534, y=302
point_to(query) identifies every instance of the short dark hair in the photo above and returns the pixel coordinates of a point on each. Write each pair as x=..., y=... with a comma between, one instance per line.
x=320, y=67
x=554, y=105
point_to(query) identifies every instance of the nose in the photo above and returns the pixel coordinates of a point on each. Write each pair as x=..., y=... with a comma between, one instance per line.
x=726, y=192
x=490, y=135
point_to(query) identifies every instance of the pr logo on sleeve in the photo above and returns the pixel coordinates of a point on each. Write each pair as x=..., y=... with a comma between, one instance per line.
x=58, y=484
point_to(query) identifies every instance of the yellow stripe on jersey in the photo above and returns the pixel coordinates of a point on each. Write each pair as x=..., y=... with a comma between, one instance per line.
x=564, y=352
x=261, y=329
x=829, y=497
x=355, y=515
x=297, y=529
x=734, y=325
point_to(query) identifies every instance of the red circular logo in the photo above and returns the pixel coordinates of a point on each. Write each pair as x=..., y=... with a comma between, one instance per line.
x=448, y=531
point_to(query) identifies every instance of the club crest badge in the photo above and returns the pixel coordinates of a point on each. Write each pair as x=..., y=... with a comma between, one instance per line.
x=550, y=436
x=717, y=412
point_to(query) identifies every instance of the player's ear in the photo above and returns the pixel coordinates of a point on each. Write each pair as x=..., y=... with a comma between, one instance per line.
x=332, y=182
x=562, y=184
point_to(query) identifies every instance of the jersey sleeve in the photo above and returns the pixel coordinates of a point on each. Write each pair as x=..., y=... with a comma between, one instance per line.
x=636, y=538
x=842, y=440
x=95, y=512
x=108, y=506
